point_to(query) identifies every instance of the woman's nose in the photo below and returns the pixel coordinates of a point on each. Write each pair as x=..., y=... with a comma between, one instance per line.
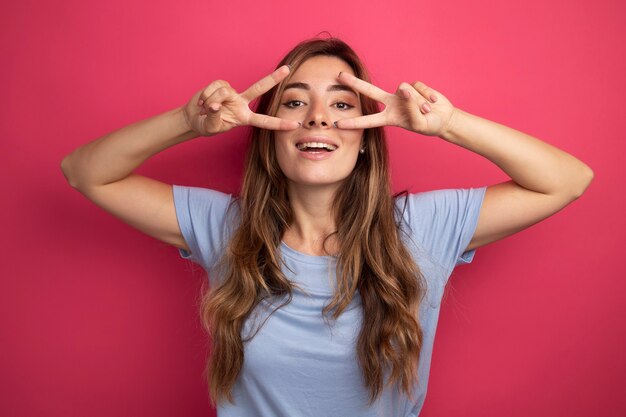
x=318, y=116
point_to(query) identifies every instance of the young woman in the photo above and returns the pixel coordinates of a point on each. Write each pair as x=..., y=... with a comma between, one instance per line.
x=324, y=287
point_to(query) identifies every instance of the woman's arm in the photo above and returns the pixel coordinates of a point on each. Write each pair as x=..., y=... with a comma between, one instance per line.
x=114, y=156
x=102, y=170
x=544, y=179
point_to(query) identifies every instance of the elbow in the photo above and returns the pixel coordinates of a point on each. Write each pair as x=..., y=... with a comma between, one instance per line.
x=584, y=181
x=66, y=169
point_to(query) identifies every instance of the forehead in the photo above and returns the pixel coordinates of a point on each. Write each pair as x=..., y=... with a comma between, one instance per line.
x=321, y=68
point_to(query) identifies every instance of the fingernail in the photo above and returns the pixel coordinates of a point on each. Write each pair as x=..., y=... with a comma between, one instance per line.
x=433, y=98
x=426, y=107
x=335, y=123
x=289, y=66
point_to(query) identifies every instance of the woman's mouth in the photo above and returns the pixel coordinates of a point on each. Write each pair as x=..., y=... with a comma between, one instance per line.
x=315, y=147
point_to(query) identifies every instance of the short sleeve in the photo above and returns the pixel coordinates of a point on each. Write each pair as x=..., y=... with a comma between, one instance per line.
x=202, y=217
x=444, y=222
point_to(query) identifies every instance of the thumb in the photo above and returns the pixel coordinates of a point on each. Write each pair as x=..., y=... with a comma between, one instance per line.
x=212, y=120
x=404, y=90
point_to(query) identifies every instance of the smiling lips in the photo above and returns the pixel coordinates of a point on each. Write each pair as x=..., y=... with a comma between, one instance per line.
x=312, y=146
x=316, y=145
x=316, y=148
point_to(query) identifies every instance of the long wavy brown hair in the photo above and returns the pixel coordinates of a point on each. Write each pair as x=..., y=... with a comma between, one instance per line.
x=372, y=258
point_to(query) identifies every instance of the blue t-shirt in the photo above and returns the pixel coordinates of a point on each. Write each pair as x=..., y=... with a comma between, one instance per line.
x=298, y=364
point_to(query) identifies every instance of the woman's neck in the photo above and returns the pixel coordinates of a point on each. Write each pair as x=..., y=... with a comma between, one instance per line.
x=313, y=220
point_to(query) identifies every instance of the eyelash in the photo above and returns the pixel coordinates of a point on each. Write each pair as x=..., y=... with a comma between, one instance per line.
x=288, y=104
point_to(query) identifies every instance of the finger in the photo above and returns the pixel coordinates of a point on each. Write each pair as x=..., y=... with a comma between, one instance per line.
x=272, y=123
x=211, y=121
x=363, y=87
x=404, y=90
x=265, y=84
x=362, y=122
x=426, y=91
x=214, y=102
x=210, y=89
x=404, y=93
x=414, y=97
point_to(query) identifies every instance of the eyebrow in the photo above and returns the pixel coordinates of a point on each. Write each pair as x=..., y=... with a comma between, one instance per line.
x=334, y=87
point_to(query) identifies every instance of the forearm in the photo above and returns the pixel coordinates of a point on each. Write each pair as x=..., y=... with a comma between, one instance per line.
x=530, y=162
x=116, y=155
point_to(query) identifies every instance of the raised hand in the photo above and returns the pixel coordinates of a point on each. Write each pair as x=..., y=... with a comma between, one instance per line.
x=416, y=107
x=219, y=108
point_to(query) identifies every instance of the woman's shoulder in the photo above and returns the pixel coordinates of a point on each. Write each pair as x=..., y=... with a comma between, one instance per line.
x=436, y=208
x=431, y=200
x=202, y=199
x=201, y=193
x=443, y=220
x=200, y=203
x=206, y=218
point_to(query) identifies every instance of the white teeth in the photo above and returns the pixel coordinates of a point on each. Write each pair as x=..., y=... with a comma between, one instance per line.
x=308, y=145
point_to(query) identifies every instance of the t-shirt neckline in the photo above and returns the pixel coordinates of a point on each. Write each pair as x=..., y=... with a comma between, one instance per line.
x=303, y=257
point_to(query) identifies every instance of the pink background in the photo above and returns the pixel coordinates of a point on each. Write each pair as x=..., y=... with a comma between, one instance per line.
x=97, y=319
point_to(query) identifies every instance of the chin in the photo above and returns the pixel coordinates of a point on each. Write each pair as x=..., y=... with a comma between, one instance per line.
x=317, y=181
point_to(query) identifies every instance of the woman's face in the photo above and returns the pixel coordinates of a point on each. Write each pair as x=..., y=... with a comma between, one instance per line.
x=318, y=153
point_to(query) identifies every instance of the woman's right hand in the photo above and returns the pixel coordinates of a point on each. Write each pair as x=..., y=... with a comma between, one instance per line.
x=218, y=107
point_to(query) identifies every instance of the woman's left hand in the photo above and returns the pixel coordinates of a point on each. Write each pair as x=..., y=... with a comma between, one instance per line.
x=416, y=107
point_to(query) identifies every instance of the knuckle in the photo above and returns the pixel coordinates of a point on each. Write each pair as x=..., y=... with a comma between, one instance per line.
x=213, y=88
x=216, y=84
x=207, y=92
x=223, y=91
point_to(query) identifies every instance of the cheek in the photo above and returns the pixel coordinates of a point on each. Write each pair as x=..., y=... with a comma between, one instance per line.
x=292, y=114
x=354, y=138
x=282, y=150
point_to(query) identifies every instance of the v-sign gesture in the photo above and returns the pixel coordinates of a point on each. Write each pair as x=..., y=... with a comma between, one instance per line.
x=416, y=107
x=544, y=179
x=219, y=108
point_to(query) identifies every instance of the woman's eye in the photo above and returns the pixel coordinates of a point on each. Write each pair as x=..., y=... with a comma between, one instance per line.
x=343, y=106
x=293, y=103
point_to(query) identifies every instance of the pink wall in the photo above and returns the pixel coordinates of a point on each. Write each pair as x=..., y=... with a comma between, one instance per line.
x=99, y=320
